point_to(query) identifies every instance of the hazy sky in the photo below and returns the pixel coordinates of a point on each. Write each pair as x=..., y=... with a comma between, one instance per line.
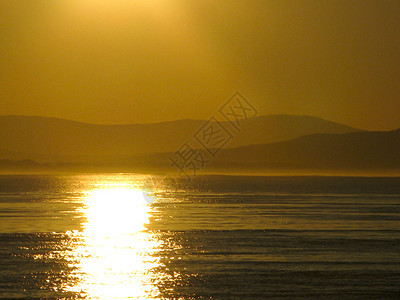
x=134, y=61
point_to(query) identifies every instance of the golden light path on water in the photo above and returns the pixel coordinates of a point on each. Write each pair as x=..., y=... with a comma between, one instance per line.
x=115, y=257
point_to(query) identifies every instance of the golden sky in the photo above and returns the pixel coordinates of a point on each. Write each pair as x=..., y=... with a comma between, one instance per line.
x=136, y=61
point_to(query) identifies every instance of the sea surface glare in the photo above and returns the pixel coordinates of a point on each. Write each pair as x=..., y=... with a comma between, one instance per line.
x=129, y=236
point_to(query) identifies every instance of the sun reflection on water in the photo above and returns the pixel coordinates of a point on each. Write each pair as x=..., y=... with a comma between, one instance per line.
x=115, y=211
x=116, y=256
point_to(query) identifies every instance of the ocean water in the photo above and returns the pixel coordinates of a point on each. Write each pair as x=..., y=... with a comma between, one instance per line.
x=129, y=236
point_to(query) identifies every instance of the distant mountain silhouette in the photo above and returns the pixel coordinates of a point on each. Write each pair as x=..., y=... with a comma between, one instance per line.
x=52, y=139
x=26, y=164
x=277, y=128
x=351, y=151
x=357, y=152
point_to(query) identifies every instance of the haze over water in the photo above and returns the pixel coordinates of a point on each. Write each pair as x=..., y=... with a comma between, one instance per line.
x=119, y=236
x=103, y=91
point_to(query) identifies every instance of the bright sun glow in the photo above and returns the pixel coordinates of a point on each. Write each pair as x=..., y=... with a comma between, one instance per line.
x=116, y=210
x=115, y=258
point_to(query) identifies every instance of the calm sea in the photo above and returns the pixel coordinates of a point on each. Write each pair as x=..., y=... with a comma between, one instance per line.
x=127, y=236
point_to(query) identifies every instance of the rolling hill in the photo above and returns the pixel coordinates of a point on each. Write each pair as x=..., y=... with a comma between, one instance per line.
x=355, y=153
x=51, y=139
x=351, y=151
